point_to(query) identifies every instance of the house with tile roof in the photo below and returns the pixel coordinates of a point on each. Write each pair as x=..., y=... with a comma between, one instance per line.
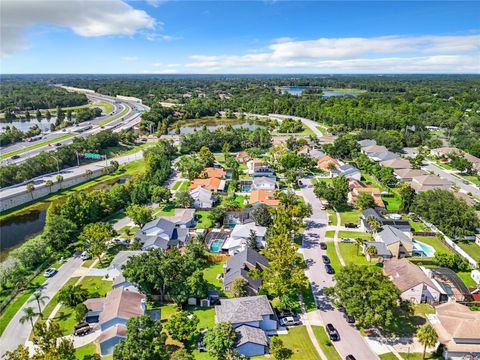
x=408, y=174
x=375, y=192
x=327, y=162
x=261, y=196
x=213, y=172
x=264, y=183
x=213, y=184
x=240, y=265
x=348, y=171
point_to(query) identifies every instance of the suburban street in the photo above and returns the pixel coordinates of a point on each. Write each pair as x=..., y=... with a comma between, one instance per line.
x=351, y=342
x=17, y=333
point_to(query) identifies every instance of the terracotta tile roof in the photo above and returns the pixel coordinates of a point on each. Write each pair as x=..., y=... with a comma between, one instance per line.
x=210, y=183
x=324, y=162
x=122, y=303
x=212, y=172
x=375, y=192
x=264, y=197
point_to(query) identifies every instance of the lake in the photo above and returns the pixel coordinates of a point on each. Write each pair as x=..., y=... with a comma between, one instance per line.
x=326, y=92
x=189, y=128
x=24, y=125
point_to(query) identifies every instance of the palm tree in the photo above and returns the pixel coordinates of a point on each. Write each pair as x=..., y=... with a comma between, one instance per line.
x=30, y=188
x=28, y=315
x=49, y=183
x=371, y=251
x=373, y=223
x=40, y=299
x=59, y=179
x=358, y=243
x=427, y=336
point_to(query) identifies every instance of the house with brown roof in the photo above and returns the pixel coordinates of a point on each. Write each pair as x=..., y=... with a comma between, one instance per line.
x=375, y=192
x=214, y=172
x=213, y=184
x=327, y=162
x=408, y=174
x=413, y=283
x=261, y=196
x=373, y=149
x=444, y=151
x=458, y=329
x=396, y=164
x=429, y=182
x=242, y=157
x=474, y=160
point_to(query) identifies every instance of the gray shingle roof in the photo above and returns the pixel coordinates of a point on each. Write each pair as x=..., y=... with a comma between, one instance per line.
x=250, y=334
x=399, y=224
x=238, y=266
x=244, y=309
x=380, y=246
x=391, y=235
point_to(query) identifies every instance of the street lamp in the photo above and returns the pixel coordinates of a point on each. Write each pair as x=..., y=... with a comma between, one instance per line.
x=58, y=166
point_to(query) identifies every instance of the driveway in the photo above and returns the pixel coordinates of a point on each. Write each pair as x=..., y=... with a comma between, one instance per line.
x=351, y=342
x=17, y=333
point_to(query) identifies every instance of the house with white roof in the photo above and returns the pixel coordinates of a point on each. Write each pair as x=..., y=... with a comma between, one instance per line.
x=162, y=234
x=264, y=183
x=240, y=233
x=202, y=198
x=348, y=171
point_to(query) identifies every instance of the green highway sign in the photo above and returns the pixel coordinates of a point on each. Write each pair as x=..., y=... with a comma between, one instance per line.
x=141, y=110
x=92, y=156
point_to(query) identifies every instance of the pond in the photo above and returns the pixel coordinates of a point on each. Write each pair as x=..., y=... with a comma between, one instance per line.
x=24, y=125
x=326, y=92
x=191, y=127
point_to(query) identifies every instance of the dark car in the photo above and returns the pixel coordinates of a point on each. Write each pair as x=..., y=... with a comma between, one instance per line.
x=332, y=332
x=325, y=259
x=350, y=318
x=323, y=246
x=14, y=157
x=330, y=270
x=82, y=329
x=350, y=357
x=351, y=225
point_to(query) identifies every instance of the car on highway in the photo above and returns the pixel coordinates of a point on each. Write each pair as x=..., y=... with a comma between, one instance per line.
x=332, y=332
x=14, y=157
x=329, y=269
x=350, y=357
x=323, y=246
x=289, y=321
x=325, y=259
x=58, y=144
x=50, y=272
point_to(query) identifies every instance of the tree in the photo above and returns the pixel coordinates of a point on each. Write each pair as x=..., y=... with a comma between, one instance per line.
x=39, y=298
x=183, y=199
x=182, y=326
x=407, y=194
x=252, y=240
x=427, y=336
x=336, y=194
x=181, y=354
x=28, y=315
x=59, y=231
x=225, y=150
x=373, y=224
x=261, y=215
x=365, y=201
x=96, y=235
x=48, y=346
x=140, y=214
x=366, y=294
x=144, y=340
x=219, y=340
x=81, y=311
x=59, y=179
x=49, y=183
x=371, y=251
x=206, y=157
x=345, y=146
x=29, y=189
x=452, y=261
x=239, y=287
x=358, y=243
x=216, y=215
x=72, y=295
x=197, y=285
x=278, y=350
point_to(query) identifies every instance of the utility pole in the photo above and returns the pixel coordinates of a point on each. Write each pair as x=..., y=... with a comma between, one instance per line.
x=78, y=160
x=58, y=166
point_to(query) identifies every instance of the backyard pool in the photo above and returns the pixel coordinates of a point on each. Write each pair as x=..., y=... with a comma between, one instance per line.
x=422, y=249
x=216, y=245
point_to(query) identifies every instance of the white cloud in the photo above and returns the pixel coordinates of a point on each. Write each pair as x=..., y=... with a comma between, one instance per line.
x=427, y=53
x=89, y=19
x=162, y=37
x=130, y=58
x=156, y=3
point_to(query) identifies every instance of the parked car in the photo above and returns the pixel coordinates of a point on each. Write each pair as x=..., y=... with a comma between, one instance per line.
x=351, y=225
x=346, y=240
x=323, y=246
x=330, y=270
x=350, y=318
x=50, y=272
x=82, y=329
x=285, y=313
x=332, y=332
x=350, y=357
x=289, y=321
x=326, y=259
x=85, y=256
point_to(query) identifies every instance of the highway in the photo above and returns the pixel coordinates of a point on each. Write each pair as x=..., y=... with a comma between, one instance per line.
x=126, y=121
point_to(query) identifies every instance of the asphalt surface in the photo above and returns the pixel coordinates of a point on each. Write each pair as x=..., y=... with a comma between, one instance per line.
x=17, y=333
x=351, y=342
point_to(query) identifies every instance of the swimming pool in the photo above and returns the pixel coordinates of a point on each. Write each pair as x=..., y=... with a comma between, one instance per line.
x=422, y=249
x=216, y=245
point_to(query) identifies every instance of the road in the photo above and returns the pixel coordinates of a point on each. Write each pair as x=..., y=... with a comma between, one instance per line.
x=469, y=187
x=17, y=333
x=351, y=342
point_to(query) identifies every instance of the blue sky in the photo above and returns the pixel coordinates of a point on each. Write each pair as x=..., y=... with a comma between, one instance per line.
x=115, y=36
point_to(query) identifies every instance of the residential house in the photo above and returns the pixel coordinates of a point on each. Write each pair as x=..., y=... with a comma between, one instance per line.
x=408, y=174
x=263, y=197
x=367, y=142
x=382, y=156
x=381, y=251
x=327, y=162
x=316, y=154
x=242, y=157
x=183, y=218
x=402, y=225
x=397, y=164
x=429, y=182
x=112, y=313
x=399, y=244
x=202, y=198
x=444, y=151
x=250, y=316
x=213, y=172
x=348, y=171
x=458, y=329
x=213, y=184
x=115, y=268
x=259, y=168
x=241, y=216
x=373, y=149
x=375, y=192
x=240, y=265
x=474, y=160
x=162, y=234
x=264, y=183
x=240, y=233
x=413, y=283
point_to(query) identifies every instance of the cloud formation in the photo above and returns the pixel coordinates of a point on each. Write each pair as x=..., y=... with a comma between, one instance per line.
x=89, y=19
x=427, y=53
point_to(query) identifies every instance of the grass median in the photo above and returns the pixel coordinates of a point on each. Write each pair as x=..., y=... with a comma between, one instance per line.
x=120, y=114
x=35, y=146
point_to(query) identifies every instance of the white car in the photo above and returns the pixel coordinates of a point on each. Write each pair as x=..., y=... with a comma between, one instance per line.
x=289, y=321
x=50, y=272
x=346, y=240
x=84, y=256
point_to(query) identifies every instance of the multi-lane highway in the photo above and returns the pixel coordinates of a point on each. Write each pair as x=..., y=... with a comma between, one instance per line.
x=124, y=115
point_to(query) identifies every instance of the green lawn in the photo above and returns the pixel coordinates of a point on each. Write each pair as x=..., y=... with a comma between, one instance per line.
x=185, y=185
x=206, y=316
x=388, y=356
x=354, y=234
x=176, y=185
x=471, y=249
x=330, y=234
x=418, y=226
x=434, y=242
x=308, y=298
x=35, y=146
x=418, y=356
x=332, y=217
x=88, y=349
x=210, y=274
x=167, y=210
x=109, y=255
x=392, y=202
x=333, y=256
x=349, y=215
x=474, y=179
x=203, y=220
x=353, y=255
x=467, y=279
x=423, y=309
x=106, y=105
x=119, y=115
x=299, y=342
x=325, y=343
